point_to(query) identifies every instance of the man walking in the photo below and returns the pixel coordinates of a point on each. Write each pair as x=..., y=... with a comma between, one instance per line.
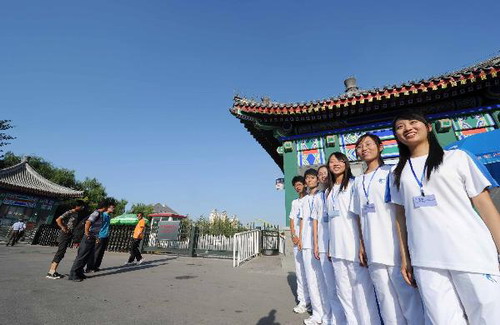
x=67, y=222
x=102, y=241
x=16, y=231
x=138, y=235
x=87, y=245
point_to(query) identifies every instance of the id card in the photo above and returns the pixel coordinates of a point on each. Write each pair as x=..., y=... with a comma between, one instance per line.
x=424, y=201
x=325, y=219
x=333, y=213
x=369, y=208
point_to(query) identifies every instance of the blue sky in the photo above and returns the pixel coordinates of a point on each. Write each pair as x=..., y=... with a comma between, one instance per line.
x=137, y=93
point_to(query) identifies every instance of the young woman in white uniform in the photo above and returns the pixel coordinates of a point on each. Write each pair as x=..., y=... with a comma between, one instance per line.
x=321, y=238
x=453, y=248
x=354, y=286
x=312, y=266
x=379, y=247
x=298, y=184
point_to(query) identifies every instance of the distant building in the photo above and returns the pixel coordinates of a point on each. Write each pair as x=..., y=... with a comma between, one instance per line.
x=28, y=195
x=164, y=212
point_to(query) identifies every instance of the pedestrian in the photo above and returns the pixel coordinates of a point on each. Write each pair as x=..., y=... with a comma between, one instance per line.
x=334, y=312
x=137, y=236
x=102, y=241
x=354, y=286
x=449, y=226
x=87, y=245
x=15, y=232
x=311, y=204
x=67, y=222
x=304, y=302
x=379, y=245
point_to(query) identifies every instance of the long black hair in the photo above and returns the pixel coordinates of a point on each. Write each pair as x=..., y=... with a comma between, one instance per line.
x=377, y=141
x=436, y=152
x=347, y=172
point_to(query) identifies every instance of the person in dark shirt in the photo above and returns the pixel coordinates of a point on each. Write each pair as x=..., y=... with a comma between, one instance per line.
x=95, y=261
x=67, y=222
x=87, y=245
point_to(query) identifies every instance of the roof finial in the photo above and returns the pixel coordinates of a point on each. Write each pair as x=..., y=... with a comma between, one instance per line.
x=350, y=85
x=25, y=159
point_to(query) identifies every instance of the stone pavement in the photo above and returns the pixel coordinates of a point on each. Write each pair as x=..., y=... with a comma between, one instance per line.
x=166, y=289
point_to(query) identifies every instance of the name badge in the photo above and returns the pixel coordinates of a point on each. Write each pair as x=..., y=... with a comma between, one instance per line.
x=424, y=201
x=334, y=213
x=369, y=208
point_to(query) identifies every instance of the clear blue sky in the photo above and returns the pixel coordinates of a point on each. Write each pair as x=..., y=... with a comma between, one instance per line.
x=136, y=93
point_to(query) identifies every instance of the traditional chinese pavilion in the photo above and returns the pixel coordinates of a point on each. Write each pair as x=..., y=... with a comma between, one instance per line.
x=26, y=194
x=298, y=136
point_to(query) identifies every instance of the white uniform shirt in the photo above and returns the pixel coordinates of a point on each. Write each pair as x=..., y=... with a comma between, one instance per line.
x=450, y=235
x=310, y=204
x=323, y=224
x=19, y=226
x=379, y=227
x=344, y=232
x=294, y=215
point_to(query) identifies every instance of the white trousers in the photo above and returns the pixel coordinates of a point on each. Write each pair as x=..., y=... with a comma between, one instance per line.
x=452, y=297
x=302, y=292
x=356, y=293
x=399, y=303
x=315, y=281
x=332, y=303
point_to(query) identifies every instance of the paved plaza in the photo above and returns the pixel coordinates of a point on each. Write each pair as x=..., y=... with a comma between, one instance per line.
x=166, y=289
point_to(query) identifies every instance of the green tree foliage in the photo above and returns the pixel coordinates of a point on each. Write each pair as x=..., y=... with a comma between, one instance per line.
x=120, y=207
x=4, y=137
x=219, y=226
x=146, y=209
x=61, y=176
x=94, y=191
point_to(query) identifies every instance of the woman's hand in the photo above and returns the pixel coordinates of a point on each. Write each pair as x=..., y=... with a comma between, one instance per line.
x=316, y=252
x=407, y=272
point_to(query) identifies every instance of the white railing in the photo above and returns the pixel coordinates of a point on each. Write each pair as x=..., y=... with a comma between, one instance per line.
x=246, y=245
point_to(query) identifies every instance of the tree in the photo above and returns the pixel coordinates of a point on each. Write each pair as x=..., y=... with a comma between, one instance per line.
x=61, y=176
x=4, y=137
x=146, y=209
x=120, y=207
x=94, y=192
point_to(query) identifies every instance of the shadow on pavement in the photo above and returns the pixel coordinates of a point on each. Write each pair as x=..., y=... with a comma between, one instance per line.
x=269, y=319
x=144, y=263
x=125, y=269
x=292, y=282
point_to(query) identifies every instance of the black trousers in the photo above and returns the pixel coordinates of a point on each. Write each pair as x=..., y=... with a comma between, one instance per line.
x=64, y=240
x=85, y=250
x=134, y=251
x=14, y=237
x=100, y=248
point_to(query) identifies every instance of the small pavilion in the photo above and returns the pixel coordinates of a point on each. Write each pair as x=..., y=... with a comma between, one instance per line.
x=25, y=194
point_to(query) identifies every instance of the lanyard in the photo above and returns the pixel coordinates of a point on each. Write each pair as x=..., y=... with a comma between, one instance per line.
x=334, y=195
x=311, y=203
x=419, y=181
x=367, y=191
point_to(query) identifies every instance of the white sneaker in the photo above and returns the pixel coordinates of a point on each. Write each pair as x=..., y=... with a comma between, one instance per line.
x=140, y=262
x=311, y=321
x=129, y=264
x=300, y=309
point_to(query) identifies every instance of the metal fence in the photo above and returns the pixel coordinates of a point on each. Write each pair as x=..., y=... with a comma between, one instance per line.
x=247, y=245
x=119, y=237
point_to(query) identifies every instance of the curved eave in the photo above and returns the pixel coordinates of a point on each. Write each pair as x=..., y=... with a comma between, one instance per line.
x=29, y=190
x=376, y=97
